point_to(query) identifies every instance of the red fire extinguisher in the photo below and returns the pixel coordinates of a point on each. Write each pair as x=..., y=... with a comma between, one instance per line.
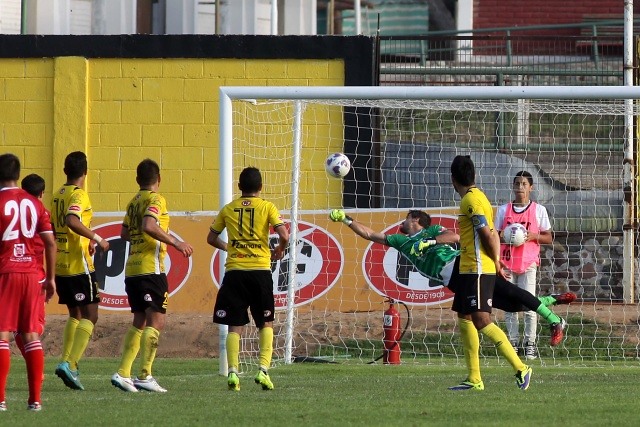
x=391, y=326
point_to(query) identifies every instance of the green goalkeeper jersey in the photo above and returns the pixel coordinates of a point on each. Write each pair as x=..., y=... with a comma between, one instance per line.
x=431, y=261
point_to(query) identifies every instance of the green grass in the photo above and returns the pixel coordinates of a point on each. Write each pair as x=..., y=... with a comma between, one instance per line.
x=332, y=394
x=585, y=340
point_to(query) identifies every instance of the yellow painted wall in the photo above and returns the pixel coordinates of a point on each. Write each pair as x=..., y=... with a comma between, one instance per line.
x=120, y=111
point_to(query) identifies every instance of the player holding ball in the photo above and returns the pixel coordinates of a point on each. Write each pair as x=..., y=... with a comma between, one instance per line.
x=522, y=261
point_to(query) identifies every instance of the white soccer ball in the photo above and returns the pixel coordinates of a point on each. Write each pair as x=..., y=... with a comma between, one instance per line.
x=337, y=165
x=515, y=234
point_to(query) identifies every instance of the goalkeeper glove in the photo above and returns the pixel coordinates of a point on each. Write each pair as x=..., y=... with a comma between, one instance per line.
x=419, y=247
x=338, y=215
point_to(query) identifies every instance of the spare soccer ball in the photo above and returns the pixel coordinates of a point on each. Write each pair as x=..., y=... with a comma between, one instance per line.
x=515, y=234
x=337, y=165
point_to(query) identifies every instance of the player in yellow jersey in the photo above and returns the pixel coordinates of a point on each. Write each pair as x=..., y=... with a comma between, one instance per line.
x=474, y=278
x=247, y=282
x=146, y=228
x=77, y=288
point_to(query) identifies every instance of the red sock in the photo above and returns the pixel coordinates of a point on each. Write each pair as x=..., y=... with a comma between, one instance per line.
x=5, y=365
x=17, y=337
x=34, y=356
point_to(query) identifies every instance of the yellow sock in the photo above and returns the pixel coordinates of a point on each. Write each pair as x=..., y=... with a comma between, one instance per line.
x=67, y=337
x=266, y=347
x=233, y=351
x=80, y=342
x=471, y=346
x=148, y=348
x=131, y=346
x=499, y=338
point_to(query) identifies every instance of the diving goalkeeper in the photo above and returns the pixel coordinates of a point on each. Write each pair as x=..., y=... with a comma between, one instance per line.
x=428, y=248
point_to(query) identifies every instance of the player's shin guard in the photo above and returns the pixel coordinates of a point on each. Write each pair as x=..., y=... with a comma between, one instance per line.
x=67, y=337
x=80, y=342
x=5, y=366
x=499, y=338
x=148, y=348
x=266, y=347
x=471, y=346
x=548, y=315
x=34, y=357
x=131, y=347
x=233, y=351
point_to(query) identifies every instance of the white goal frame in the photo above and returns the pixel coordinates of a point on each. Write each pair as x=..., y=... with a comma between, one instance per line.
x=298, y=94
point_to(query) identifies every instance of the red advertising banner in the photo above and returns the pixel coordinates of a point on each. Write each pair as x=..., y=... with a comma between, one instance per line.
x=334, y=269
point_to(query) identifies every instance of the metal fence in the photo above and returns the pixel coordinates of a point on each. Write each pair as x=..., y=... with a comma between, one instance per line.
x=586, y=53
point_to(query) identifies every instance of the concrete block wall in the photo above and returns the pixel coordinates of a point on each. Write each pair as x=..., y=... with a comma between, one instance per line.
x=121, y=110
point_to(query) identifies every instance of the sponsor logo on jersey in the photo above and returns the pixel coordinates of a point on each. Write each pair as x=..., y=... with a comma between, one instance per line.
x=153, y=209
x=391, y=275
x=110, y=268
x=319, y=261
x=74, y=208
x=19, y=250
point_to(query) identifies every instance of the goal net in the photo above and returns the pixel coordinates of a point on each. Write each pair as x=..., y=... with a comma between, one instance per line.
x=332, y=287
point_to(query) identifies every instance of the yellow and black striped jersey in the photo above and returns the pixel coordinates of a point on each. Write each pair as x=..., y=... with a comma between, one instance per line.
x=146, y=254
x=73, y=250
x=475, y=212
x=247, y=220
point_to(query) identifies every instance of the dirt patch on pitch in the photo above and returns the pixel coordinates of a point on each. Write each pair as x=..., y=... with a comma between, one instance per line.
x=185, y=335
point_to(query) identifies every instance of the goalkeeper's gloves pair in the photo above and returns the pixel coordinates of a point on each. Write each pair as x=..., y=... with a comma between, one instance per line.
x=338, y=215
x=420, y=247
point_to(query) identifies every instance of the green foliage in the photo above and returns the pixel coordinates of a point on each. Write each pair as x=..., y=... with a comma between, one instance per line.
x=333, y=394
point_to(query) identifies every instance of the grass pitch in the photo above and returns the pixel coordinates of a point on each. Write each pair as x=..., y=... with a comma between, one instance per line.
x=332, y=395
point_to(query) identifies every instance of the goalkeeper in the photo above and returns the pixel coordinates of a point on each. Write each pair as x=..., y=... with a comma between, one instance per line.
x=428, y=248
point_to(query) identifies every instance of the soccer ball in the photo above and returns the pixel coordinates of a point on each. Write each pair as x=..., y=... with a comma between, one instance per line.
x=337, y=165
x=515, y=234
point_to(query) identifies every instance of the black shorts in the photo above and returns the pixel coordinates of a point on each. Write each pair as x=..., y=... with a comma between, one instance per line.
x=77, y=291
x=242, y=290
x=473, y=292
x=147, y=291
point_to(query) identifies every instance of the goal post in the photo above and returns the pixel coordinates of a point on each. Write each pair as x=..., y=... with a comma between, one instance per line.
x=401, y=141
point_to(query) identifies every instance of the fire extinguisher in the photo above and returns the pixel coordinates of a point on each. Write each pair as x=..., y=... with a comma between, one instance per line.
x=391, y=338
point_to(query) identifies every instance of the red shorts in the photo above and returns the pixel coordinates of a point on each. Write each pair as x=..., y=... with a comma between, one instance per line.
x=21, y=299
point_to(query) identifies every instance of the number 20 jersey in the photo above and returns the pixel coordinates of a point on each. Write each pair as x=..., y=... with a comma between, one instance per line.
x=22, y=218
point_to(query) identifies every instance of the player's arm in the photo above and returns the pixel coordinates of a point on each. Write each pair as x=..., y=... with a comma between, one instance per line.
x=490, y=242
x=543, y=237
x=50, y=250
x=447, y=237
x=124, y=233
x=214, y=240
x=283, y=241
x=151, y=227
x=338, y=215
x=75, y=225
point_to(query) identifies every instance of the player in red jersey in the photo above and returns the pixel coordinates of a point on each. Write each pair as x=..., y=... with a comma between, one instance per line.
x=22, y=217
x=34, y=184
